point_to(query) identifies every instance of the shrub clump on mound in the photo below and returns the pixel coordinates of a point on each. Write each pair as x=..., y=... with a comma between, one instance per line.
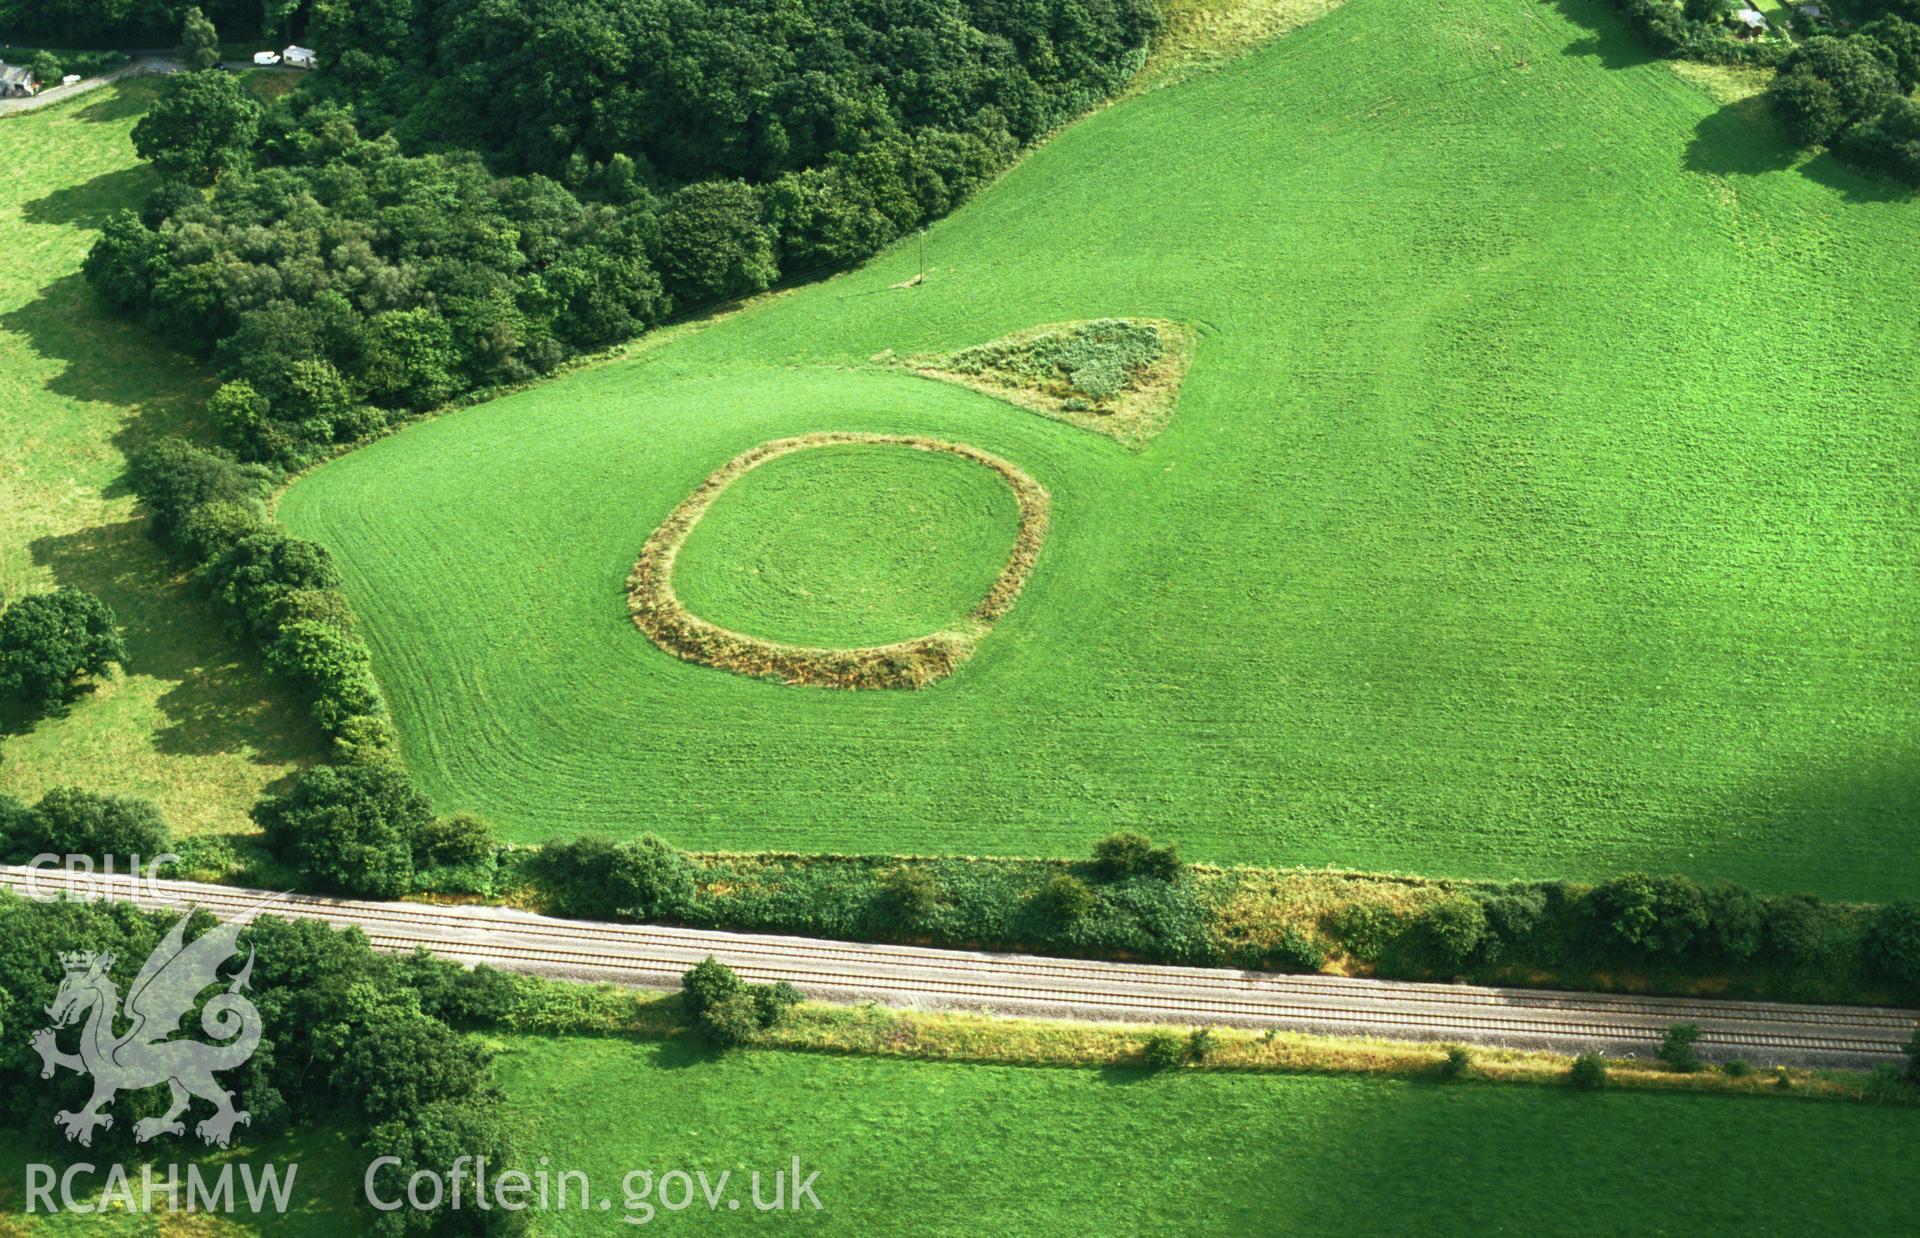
x=1115, y=376
x=658, y=611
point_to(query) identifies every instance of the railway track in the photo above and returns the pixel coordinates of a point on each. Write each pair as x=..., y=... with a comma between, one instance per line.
x=909, y=976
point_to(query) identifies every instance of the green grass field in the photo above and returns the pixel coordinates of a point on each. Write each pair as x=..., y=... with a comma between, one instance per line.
x=952, y=1149
x=1540, y=500
x=938, y=1148
x=192, y=726
x=848, y=545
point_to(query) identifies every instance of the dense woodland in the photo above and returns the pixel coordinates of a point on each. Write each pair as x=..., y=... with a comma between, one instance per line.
x=467, y=194
x=138, y=23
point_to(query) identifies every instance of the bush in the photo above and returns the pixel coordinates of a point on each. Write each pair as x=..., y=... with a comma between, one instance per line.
x=1736, y=922
x=1125, y=854
x=332, y=670
x=1827, y=84
x=708, y=983
x=1457, y=1063
x=1803, y=932
x=772, y=1002
x=1892, y=945
x=69, y=821
x=1200, y=1044
x=599, y=879
x=1658, y=917
x=909, y=893
x=364, y=740
x=15, y=824
x=1066, y=899
x=47, y=69
x=1588, y=1072
x=348, y=827
x=1162, y=1051
x=1451, y=931
x=1367, y=931
x=1736, y=1068
x=1677, y=1048
x=281, y=591
x=1514, y=914
x=1889, y=143
x=462, y=838
x=251, y=576
x=714, y=244
x=732, y=1020
x=1088, y=364
x=206, y=531
x=1896, y=42
x=1295, y=951
x=1912, y=1050
x=48, y=641
x=727, y=1011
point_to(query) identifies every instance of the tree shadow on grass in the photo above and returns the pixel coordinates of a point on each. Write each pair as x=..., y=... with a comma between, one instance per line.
x=110, y=360
x=220, y=700
x=1741, y=139
x=1611, y=53
x=684, y=1052
x=1851, y=183
x=1850, y=831
x=1120, y=1074
x=121, y=101
x=89, y=204
x=1609, y=39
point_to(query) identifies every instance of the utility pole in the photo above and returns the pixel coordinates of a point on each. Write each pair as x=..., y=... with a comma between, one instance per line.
x=922, y=278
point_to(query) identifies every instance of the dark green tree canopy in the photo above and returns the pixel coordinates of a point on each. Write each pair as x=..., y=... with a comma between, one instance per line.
x=467, y=194
x=349, y=827
x=72, y=821
x=1826, y=85
x=199, y=41
x=204, y=125
x=48, y=641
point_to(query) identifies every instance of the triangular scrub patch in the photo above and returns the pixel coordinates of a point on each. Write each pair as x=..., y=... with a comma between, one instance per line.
x=1114, y=376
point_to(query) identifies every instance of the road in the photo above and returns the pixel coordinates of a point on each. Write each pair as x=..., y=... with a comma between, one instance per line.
x=59, y=94
x=651, y=956
x=142, y=64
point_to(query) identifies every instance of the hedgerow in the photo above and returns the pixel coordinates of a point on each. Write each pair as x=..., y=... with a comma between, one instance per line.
x=1661, y=932
x=360, y=826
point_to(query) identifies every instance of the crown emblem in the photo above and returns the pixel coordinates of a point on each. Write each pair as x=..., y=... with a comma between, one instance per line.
x=84, y=960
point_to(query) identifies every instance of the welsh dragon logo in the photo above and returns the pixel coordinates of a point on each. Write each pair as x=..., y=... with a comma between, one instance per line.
x=163, y=994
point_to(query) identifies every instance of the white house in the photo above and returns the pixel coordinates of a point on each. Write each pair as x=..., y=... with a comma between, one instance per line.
x=1752, y=22
x=15, y=80
x=263, y=59
x=299, y=57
